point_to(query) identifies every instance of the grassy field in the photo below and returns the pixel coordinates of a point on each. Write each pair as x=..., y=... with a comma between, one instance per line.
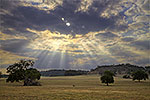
x=86, y=88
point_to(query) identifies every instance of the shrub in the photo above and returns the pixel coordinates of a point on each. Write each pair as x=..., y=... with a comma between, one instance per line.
x=126, y=76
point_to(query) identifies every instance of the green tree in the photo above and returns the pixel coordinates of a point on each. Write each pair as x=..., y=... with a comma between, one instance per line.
x=107, y=77
x=139, y=75
x=20, y=72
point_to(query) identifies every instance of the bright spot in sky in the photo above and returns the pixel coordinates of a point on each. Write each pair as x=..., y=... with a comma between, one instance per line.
x=62, y=19
x=68, y=24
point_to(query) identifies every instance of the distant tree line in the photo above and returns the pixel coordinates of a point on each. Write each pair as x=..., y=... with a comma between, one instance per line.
x=63, y=72
x=75, y=72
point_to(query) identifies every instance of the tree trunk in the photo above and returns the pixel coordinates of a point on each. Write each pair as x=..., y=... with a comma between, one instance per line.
x=25, y=82
x=139, y=80
x=107, y=84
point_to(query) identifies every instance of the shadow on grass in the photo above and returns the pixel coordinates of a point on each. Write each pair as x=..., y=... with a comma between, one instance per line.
x=110, y=85
x=140, y=81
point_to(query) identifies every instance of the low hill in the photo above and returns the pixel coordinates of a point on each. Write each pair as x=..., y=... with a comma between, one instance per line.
x=118, y=69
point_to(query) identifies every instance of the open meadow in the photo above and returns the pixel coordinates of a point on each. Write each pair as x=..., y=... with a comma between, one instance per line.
x=85, y=88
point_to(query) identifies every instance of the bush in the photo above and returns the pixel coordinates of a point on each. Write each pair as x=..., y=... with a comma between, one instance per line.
x=126, y=76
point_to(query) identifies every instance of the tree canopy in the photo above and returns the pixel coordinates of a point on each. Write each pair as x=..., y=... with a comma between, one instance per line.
x=140, y=75
x=107, y=77
x=109, y=73
x=20, y=71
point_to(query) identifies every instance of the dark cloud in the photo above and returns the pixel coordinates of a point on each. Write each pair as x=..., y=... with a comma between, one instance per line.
x=29, y=17
x=118, y=51
x=8, y=4
x=78, y=51
x=81, y=22
x=14, y=45
x=84, y=22
x=146, y=5
x=145, y=44
x=144, y=61
x=127, y=39
x=108, y=36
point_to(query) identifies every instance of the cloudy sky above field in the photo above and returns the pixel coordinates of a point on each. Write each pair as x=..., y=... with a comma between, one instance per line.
x=75, y=34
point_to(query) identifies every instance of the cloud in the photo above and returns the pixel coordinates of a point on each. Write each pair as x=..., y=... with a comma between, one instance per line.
x=106, y=35
x=54, y=41
x=43, y=4
x=145, y=44
x=14, y=45
x=10, y=58
x=127, y=39
x=84, y=5
x=142, y=62
x=145, y=6
x=115, y=48
x=9, y=37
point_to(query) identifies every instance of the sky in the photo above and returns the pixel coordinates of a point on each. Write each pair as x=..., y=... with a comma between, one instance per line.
x=74, y=34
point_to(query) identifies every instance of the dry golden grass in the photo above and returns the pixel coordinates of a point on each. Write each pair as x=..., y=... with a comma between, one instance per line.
x=86, y=88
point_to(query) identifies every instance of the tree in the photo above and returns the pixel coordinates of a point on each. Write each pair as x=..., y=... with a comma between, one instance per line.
x=107, y=77
x=149, y=71
x=109, y=73
x=20, y=72
x=139, y=75
x=0, y=74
